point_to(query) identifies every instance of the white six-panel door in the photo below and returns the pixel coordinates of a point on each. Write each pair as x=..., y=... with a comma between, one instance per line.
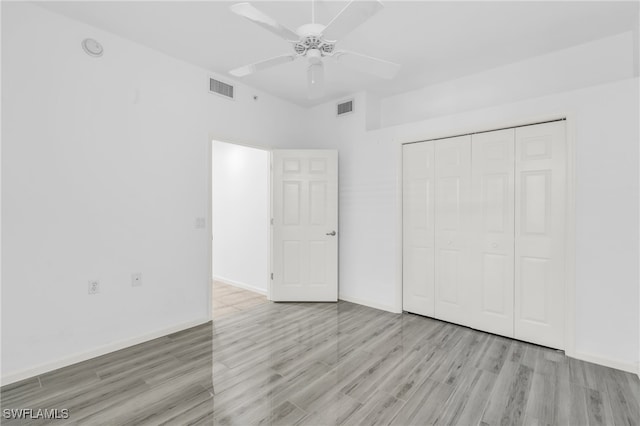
x=492, y=212
x=483, y=231
x=305, y=225
x=418, y=228
x=452, y=226
x=540, y=236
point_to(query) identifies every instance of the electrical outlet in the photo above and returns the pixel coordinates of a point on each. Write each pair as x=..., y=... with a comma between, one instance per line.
x=94, y=287
x=201, y=223
x=136, y=279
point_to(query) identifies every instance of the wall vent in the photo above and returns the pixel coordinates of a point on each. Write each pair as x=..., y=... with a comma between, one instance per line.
x=345, y=107
x=220, y=88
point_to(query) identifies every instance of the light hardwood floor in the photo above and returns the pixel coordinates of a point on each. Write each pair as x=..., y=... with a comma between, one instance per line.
x=326, y=364
x=229, y=300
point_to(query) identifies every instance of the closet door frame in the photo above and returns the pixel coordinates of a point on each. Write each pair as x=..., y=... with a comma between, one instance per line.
x=497, y=123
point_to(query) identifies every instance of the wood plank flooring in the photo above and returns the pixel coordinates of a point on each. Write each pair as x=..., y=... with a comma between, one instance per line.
x=330, y=364
x=229, y=300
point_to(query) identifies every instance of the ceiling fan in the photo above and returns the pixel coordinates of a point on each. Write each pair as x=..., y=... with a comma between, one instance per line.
x=315, y=42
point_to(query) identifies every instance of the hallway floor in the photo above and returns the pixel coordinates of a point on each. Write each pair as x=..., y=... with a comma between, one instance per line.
x=228, y=300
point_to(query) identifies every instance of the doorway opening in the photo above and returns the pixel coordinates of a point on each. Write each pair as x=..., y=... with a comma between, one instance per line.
x=240, y=227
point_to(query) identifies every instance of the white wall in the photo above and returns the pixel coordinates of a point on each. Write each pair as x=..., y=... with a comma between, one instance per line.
x=104, y=172
x=241, y=215
x=601, y=61
x=605, y=120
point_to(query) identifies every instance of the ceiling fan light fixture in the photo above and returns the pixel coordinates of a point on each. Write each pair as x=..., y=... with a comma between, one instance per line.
x=315, y=80
x=315, y=74
x=315, y=56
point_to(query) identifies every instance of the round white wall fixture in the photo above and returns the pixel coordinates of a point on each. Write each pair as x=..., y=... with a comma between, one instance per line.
x=92, y=47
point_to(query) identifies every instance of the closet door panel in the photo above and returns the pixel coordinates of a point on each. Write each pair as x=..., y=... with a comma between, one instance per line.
x=418, y=228
x=492, y=248
x=539, y=231
x=452, y=239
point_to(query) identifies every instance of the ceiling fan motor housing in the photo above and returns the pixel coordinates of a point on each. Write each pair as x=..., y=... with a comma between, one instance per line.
x=311, y=40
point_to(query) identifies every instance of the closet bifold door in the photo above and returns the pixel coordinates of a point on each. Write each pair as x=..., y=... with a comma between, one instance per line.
x=452, y=229
x=539, y=233
x=418, y=228
x=492, y=250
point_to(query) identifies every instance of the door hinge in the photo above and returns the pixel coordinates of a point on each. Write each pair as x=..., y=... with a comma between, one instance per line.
x=272, y=275
x=272, y=221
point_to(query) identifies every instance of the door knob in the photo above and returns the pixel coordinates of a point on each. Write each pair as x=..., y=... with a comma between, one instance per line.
x=332, y=233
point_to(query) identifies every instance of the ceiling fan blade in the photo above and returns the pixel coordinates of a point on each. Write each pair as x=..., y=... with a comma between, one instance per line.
x=262, y=65
x=246, y=10
x=368, y=64
x=315, y=80
x=354, y=14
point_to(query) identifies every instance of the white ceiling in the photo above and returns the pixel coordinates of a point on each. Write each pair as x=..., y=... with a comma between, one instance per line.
x=434, y=41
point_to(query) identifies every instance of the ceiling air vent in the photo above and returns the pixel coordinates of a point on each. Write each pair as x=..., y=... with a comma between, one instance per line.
x=220, y=88
x=345, y=108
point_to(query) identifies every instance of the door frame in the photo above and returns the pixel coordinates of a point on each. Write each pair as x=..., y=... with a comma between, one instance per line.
x=209, y=225
x=570, y=216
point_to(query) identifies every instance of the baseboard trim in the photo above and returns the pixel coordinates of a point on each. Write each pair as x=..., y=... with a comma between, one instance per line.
x=629, y=367
x=370, y=304
x=240, y=285
x=99, y=351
